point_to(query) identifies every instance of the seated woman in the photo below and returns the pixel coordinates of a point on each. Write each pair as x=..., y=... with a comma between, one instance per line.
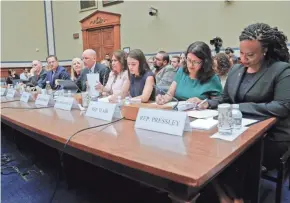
x=141, y=77
x=76, y=68
x=182, y=62
x=196, y=79
x=261, y=88
x=221, y=65
x=12, y=75
x=118, y=82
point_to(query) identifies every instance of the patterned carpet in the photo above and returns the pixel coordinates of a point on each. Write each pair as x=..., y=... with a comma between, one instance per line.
x=32, y=179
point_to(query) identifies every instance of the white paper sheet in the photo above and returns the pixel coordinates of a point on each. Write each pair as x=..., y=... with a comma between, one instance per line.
x=93, y=79
x=203, y=124
x=207, y=113
x=232, y=137
x=104, y=99
x=246, y=121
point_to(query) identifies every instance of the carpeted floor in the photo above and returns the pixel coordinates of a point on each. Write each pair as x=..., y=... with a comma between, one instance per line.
x=28, y=179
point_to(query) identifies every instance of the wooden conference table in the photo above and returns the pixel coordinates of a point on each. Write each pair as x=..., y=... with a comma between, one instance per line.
x=180, y=166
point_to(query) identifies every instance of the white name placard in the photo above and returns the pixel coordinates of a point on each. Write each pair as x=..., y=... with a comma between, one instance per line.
x=170, y=122
x=43, y=100
x=25, y=97
x=3, y=91
x=64, y=103
x=102, y=110
x=10, y=93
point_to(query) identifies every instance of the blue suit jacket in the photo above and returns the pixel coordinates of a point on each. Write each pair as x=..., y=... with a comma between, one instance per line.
x=60, y=73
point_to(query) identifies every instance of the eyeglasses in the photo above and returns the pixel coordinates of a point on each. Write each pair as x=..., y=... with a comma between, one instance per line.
x=192, y=62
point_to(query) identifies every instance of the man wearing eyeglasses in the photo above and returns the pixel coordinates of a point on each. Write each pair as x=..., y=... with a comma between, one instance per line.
x=164, y=72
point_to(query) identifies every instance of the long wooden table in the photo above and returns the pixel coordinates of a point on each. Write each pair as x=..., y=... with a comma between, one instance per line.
x=181, y=166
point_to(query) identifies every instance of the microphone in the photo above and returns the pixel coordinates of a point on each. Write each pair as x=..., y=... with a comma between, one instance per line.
x=174, y=98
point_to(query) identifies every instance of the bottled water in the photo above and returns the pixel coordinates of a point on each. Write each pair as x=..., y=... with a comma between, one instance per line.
x=48, y=88
x=127, y=101
x=61, y=93
x=237, y=117
x=119, y=100
x=69, y=93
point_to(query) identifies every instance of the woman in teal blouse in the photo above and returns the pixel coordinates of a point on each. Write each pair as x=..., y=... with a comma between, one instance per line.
x=196, y=79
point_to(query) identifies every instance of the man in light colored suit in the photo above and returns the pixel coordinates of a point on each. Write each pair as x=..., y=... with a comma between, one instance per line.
x=91, y=66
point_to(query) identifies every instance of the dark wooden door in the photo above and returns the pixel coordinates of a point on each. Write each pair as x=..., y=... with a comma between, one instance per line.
x=102, y=41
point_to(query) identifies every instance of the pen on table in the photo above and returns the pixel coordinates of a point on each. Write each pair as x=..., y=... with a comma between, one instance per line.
x=201, y=103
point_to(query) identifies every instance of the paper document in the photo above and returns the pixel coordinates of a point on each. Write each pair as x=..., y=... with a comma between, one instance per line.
x=93, y=79
x=246, y=121
x=207, y=113
x=104, y=99
x=203, y=124
x=232, y=137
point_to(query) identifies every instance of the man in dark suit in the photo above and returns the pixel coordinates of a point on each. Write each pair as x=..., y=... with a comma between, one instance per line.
x=56, y=72
x=38, y=74
x=91, y=66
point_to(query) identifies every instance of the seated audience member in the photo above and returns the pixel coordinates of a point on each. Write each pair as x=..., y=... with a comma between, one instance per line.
x=175, y=60
x=24, y=76
x=221, y=65
x=76, y=68
x=106, y=63
x=38, y=74
x=141, y=77
x=56, y=73
x=12, y=75
x=196, y=79
x=182, y=62
x=230, y=53
x=92, y=67
x=164, y=72
x=261, y=88
x=118, y=83
x=150, y=62
x=108, y=58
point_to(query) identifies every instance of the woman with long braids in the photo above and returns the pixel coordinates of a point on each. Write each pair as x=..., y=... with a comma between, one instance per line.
x=261, y=87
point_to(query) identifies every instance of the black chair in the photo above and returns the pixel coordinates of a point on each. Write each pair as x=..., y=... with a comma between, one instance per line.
x=283, y=171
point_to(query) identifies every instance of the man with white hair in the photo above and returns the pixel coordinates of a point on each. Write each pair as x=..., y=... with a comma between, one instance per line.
x=38, y=74
x=91, y=66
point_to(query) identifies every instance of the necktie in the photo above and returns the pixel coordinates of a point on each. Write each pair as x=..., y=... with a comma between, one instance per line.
x=52, y=80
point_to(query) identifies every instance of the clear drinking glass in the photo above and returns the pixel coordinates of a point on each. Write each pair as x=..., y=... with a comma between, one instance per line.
x=225, y=119
x=85, y=99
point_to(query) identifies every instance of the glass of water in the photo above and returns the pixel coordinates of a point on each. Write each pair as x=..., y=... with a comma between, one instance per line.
x=225, y=119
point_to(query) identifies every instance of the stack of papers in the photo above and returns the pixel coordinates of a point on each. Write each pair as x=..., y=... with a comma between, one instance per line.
x=203, y=124
x=233, y=136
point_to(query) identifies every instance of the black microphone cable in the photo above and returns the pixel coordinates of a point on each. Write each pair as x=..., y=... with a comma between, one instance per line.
x=65, y=145
x=4, y=102
x=44, y=107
